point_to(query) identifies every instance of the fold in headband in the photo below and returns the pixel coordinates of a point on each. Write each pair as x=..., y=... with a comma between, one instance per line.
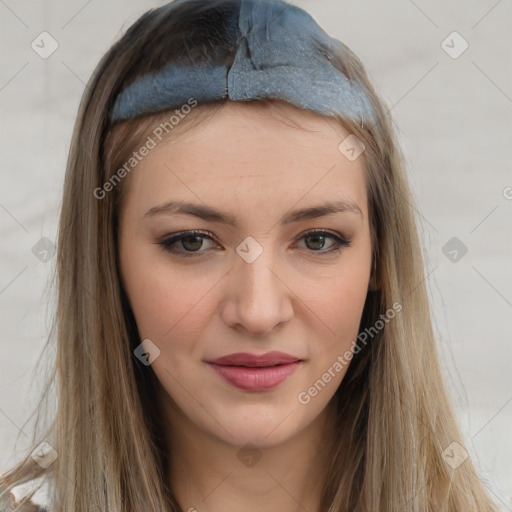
x=280, y=55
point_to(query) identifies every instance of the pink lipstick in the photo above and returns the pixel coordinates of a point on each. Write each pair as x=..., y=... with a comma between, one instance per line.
x=255, y=372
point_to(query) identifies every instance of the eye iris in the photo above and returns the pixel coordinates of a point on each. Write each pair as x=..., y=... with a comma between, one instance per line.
x=195, y=246
x=318, y=238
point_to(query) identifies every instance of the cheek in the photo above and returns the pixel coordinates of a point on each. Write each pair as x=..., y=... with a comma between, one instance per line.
x=344, y=310
x=165, y=302
x=340, y=310
x=337, y=300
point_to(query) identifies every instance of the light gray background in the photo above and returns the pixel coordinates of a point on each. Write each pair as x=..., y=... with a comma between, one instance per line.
x=454, y=116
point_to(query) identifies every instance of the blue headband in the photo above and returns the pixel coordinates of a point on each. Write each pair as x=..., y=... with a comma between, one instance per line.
x=279, y=55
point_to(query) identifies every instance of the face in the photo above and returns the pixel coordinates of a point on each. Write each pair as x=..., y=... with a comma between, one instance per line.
x=250, y=291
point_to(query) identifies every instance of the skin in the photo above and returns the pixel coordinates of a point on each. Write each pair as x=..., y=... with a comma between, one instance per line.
x=258, y=164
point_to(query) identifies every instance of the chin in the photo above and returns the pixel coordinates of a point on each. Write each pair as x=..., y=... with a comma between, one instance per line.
x=263, y=425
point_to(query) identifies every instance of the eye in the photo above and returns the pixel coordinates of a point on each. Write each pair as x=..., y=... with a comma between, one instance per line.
x=192, y=242
x=317, y=241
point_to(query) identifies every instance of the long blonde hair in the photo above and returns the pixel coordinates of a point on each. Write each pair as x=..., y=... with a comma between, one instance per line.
x=395, y=418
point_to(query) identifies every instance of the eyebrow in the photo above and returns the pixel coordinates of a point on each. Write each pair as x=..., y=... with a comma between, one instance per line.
x=213, y=215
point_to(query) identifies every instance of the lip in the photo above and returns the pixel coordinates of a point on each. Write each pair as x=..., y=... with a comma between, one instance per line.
x=255, y=372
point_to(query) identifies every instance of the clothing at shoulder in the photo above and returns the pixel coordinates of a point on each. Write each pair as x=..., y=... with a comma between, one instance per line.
x=11, y=501
x=10, y=504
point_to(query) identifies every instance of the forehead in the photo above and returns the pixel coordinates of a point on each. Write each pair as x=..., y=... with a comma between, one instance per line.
x=251, y=151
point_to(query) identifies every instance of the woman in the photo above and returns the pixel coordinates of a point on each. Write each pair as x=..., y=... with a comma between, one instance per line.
x=242, y=318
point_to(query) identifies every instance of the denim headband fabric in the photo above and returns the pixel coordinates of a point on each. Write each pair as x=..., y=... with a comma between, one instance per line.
x=280, y=55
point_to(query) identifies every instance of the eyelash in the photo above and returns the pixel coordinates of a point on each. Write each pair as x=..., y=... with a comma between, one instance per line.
x=166, y=244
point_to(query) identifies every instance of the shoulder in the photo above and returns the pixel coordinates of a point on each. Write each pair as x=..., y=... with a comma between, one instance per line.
x=11, y=504
x=13, y=501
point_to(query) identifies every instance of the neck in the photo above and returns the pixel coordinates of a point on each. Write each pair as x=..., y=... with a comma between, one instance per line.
x=208, y=474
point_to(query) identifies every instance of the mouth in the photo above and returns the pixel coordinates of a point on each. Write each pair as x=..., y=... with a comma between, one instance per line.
x=253, y=372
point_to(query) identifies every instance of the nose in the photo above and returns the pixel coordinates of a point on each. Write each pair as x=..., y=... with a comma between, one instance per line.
x=258, y=298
